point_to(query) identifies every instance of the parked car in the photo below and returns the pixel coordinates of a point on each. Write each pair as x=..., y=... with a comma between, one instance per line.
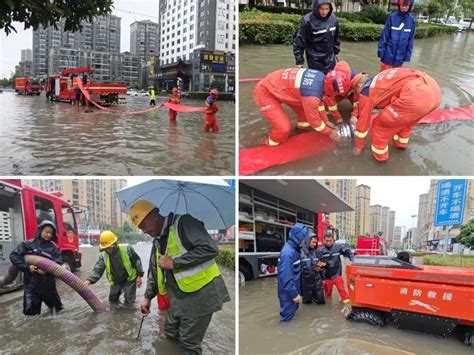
x=423, y=19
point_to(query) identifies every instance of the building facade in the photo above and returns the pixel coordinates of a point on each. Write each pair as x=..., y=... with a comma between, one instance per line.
x=391, y=226
x=385, y=221
x=362, y=212
x=375, y=219
x=201, y=35
x=102, y=35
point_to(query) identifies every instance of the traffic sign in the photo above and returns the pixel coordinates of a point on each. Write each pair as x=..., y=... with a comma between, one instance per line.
x=450, y=202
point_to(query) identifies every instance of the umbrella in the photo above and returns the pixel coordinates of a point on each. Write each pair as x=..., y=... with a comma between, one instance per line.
x=212, y=203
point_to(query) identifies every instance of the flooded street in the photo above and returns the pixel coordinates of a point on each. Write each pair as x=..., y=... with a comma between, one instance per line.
x=436, y=149
x=262, y=333
x=77, y=330
x=39, y=137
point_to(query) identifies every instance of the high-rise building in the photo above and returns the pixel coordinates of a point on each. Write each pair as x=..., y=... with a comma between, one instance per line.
x=362, y=213
x=24, y=68
x=422, y=226
x=343, y=221
x=391, y=226
x=95, y=197
x=26, y=55
x=197, y=44
x=144, y=39
x=102, y=35
x=385, y=221
x=398, y=236
x=375, y=219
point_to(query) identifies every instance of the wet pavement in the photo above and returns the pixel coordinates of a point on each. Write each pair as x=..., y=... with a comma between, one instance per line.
x=39, y=137
x=77, y=330
x=322, y=329
x=436, y=149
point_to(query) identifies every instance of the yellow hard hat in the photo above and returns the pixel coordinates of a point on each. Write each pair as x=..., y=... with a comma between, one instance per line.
x=107, y=239
x=140, y=210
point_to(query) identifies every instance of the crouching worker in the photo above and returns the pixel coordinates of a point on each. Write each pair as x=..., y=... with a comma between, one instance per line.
x=289, y=272
x=405, y=97
x=300, y=89
x=313, y=272
x=210, y=118
x=39, y=286
x=333, y=277
x=122, y=265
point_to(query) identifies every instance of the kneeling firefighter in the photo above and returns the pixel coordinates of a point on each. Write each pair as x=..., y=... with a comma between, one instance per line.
x=405, y=97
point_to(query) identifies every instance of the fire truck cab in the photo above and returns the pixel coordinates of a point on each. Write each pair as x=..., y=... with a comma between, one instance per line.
x=22, y=208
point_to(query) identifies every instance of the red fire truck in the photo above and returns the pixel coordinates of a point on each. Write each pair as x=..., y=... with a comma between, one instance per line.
x=22, y=208
x=63, y=87
x=27, y=86
x=267, y=211
x=374, y=245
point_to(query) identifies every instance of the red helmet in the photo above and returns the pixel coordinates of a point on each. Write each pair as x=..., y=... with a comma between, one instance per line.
x=336, y=83
x=405, y=2
x=214, y=92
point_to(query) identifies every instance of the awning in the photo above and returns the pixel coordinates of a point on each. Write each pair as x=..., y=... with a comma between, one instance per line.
x=307, y=194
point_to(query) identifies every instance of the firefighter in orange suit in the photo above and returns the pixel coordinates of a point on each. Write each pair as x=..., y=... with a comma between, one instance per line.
x=333, y=94
x=174, y=99
x=210, y=118
x=302, y=90
x=405, y=97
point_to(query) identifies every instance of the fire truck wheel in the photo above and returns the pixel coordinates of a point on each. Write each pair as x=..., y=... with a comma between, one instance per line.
x=365, y=315
x=67, y=263
x=245, y=269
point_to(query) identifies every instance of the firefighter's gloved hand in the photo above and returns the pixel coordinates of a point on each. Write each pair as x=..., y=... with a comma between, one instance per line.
x=335, y=136
x=87, y=282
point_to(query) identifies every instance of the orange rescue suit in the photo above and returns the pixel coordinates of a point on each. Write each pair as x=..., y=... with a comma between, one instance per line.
x=174, y=99
x=302, y=90
x=210, y=118
x=406, y=96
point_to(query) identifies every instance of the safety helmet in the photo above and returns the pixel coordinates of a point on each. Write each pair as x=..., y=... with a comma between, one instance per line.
x=357, y=77
x=107, y=239
x=214, y=92
x=140, y=210
x=336, y=83
x=405, y=2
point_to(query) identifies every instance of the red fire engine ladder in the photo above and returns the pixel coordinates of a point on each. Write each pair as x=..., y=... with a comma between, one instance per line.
x=373, y=250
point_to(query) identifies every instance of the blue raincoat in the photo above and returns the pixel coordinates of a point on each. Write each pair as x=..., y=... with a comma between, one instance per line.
x=289, y=272
x=396, y=41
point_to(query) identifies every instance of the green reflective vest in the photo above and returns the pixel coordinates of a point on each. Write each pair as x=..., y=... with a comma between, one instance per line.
x=132, y=273
x=152, y=95
x=191, y=279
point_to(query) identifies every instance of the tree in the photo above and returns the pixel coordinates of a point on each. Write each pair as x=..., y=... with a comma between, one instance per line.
x=434, y=8
x=468, y=10
x=416, y=10
x=466, y=237
x=49, y=12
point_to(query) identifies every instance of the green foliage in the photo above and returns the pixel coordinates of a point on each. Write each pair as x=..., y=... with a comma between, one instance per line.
x=450, y=260
x=466, y=237
x=375, y=14
x=360, y=31
x=226, y=257
x=424, y=30
x=266, y=32
x=275, y=9
x=434, y=7
x=48, y=13
x=127, y=234
x=417, y=9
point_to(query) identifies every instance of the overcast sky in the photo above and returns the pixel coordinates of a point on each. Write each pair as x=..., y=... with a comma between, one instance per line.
x=401, y=194
x=128, y=11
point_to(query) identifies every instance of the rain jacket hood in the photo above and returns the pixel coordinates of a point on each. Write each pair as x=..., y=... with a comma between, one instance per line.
x=317, y=3
x=297, y=233
x=41, y=227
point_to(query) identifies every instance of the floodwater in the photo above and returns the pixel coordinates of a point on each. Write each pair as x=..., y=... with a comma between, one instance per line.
x=437, y=149
x=322, y=329
x=77, y=330
x=39, y=137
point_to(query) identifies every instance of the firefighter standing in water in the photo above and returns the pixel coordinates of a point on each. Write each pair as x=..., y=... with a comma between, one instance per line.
x=174, y=99
x=152, y=97
x=210, y=118
x=122, y=265
x=331, y=253
x=183, y=266
x=396, y=42
x=405, y=95
x=334, y=93
x=302, y=90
